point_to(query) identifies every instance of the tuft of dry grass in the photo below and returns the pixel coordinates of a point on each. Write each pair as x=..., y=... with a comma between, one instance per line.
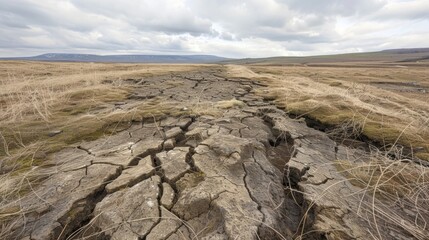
x=33, y=88
x=76, y=99
x=227, y=104
x=36, y=98
x=385, y=116
x=394, y=191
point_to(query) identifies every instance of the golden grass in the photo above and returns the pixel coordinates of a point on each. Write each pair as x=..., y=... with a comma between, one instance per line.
x=33, y=87
x=336, y=96
x=391, y=191
x=75, y=98
x=227, y=104
x=344, y=99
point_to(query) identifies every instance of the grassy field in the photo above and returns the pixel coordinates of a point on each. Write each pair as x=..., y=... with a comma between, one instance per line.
x=414, y=57
x=387, y=105
x=383, y=104
x=37, y=99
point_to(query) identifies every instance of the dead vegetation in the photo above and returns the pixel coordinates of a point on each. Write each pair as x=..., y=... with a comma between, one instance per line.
x=74, y=102
x=343, y=102
x=393, y=192
x=70, y=101
x=337, y=97
x=77, y=100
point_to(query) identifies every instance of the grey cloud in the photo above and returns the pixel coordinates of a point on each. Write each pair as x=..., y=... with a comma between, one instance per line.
x=162, y=15
x=182, y=25
x=234, y=28
x=47, y=14
x=10, y=20
x=336, y=7
x=404, y=10
x=270, y=19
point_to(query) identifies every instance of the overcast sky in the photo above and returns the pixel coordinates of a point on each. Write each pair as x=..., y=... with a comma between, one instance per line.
x=230, y=28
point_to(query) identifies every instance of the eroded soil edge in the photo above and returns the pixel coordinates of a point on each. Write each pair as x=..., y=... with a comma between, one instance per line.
x=250, y=173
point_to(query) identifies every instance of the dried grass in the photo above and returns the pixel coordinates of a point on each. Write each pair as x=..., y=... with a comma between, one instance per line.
x=394, y=191
x=384, y=116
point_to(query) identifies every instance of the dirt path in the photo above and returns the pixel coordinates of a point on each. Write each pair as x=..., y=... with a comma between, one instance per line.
x=251, y=173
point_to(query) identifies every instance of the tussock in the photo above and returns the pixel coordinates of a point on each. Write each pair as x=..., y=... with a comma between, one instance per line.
x=230, y=104
x=382, y=115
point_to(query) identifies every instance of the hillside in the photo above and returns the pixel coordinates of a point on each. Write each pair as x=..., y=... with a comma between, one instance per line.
x=64, y=57
x=393, y=56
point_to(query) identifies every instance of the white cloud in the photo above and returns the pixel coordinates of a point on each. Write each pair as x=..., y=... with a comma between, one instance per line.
x=232, y=28
x=408, y=10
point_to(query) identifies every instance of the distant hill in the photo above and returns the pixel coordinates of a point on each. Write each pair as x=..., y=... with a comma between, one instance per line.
x=407, y=50
x=65, y=57
x=393, y=56
x=409, y=55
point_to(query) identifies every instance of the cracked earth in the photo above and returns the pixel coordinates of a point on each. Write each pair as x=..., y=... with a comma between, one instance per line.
x=252, y=173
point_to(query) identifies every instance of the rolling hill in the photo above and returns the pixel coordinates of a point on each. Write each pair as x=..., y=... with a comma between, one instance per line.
x=65, y=57
x=410, y=55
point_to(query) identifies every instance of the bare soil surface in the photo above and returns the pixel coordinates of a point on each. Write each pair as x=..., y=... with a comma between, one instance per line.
x=250, y=172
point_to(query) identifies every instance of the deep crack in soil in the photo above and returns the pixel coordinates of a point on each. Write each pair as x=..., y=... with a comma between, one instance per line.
x=250, y=172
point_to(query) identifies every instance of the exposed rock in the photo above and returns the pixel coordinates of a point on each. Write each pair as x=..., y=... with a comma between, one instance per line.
x=169, y=144
x=184, y=123
x=192, y=143
x=109, y=144
x=189, y=180
x=167, y=226
x=223, y=159
x=131, y=212
x=167, y=196
x=72, y=193
x=115, y=159
x=146, y=147
x=229, y=124
x=246, y=173
x=201, y=131
x=331, y=201
x=184, y=233
x=197, y=133
x=173, y=163
x=258, y=129
x=174, y=132
x=168, y=122
x=226, y=146
x=120, y=149
x=132, y=175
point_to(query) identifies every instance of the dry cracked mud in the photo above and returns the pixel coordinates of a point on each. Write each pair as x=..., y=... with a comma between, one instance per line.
x=252, y=173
